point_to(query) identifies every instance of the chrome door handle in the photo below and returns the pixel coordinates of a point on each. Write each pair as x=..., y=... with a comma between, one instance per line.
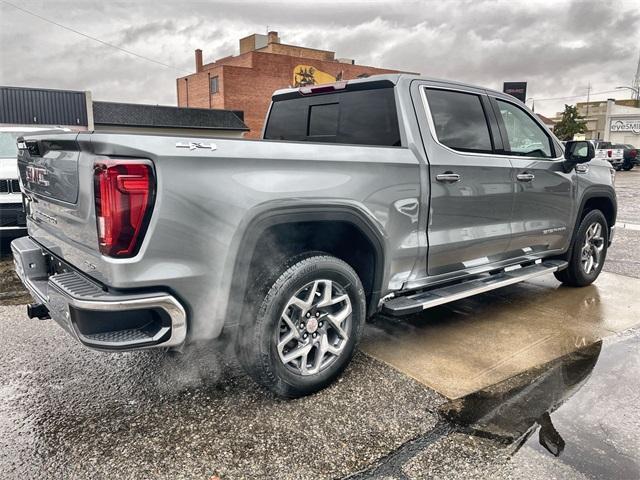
x=448, y=177
x=525, y=177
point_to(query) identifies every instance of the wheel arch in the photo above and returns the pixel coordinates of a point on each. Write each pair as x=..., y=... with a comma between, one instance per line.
x=260, y=224
x=603, y=199
x=599, y=198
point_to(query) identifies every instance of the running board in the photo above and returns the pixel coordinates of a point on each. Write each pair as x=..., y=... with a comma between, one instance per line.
x=417, y=302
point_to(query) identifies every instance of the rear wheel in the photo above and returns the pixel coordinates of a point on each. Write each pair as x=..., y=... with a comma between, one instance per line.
x=304, y=327
x=588, y=252
x=627, y=166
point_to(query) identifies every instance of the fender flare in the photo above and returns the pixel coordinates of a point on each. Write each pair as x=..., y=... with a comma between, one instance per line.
x=254, y=226
x=593, y=192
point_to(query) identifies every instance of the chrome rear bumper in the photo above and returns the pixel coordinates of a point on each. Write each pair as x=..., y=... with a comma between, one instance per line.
x=94, y=316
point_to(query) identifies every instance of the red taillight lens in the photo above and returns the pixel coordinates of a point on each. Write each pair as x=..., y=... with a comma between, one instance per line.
x=609, y=153
x=633, y=153
x=124, y=192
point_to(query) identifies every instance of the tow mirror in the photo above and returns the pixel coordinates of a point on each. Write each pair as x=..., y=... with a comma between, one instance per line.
x=579, y=152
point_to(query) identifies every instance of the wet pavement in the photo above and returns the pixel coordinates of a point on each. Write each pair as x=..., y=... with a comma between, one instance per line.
x=470, y=344
x=67, y=412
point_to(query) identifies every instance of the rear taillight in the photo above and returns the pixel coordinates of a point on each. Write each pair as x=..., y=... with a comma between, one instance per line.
x=124, y=193
x=609, y=153
x=633, y=153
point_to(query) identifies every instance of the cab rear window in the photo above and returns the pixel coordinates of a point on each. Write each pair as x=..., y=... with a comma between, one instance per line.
x=363, y=117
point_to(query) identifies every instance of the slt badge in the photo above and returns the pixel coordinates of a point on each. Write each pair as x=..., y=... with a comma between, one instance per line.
x=194, y=145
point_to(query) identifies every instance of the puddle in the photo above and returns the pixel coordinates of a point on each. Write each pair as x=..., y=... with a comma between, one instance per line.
x=580, y=409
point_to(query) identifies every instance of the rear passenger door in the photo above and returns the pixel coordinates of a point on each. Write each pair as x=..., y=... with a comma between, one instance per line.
x=543, y=192
x=471, y=194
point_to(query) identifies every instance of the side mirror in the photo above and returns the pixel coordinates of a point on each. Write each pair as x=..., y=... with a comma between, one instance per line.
x=579, y=151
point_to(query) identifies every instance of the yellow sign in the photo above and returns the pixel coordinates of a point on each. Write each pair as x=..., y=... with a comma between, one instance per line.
x=304, y=75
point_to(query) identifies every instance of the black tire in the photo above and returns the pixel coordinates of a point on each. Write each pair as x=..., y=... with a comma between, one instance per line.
x=259, y=333
x=627, y=166
x=575, y=274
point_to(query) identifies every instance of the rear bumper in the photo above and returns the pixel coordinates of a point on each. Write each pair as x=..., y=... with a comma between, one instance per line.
x=96, y=317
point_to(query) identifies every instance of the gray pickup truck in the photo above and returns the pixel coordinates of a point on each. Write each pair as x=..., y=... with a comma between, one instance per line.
x=389, y=194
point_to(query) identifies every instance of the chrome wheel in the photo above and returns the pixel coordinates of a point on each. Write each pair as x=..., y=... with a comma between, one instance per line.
x=314, y=327
x=592, y=248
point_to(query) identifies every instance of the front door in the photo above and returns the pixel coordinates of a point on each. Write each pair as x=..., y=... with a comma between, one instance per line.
x=543, y=192
x=471, y=187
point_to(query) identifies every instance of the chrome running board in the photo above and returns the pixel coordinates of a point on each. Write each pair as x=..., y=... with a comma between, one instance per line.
x=417, y=302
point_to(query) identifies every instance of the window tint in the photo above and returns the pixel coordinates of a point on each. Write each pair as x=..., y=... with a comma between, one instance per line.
x=459, y=120
x=323, y=120
x=526, y=137
x=364, y=117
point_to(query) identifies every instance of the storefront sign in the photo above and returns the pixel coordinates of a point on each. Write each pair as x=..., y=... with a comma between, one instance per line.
x=517, y=89
x=626, y=126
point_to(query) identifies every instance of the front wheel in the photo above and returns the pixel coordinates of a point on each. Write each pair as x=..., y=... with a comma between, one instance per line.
x=588, y=251
x=303, y=330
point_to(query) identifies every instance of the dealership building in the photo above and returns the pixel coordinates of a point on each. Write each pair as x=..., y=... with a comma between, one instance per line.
x=622, y=124
x=246, y=81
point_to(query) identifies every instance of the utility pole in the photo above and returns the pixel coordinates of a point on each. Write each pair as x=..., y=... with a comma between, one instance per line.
x=636, y=83
x=588, y=93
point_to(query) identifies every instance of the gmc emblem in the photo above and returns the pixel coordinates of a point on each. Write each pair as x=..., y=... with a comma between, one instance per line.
x=37, y=175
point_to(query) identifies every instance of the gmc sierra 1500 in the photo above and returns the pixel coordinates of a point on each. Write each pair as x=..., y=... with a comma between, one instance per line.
x=393, y=193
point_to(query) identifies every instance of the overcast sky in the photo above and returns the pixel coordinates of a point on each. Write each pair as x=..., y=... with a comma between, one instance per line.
x=557, y=47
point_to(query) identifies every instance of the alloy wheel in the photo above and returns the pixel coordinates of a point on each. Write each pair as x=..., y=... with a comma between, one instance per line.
x=593, y=248
x=314, y=327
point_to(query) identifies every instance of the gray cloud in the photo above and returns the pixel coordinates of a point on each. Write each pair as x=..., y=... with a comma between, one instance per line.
x=558, y=47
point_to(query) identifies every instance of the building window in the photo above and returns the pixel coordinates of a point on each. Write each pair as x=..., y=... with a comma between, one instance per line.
x=213, y=85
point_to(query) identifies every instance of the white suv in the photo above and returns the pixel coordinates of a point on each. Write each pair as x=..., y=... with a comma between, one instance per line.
x=12, y=220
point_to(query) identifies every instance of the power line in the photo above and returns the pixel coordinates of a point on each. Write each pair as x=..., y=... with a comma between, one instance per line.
x=91, y=37
x=567, y=98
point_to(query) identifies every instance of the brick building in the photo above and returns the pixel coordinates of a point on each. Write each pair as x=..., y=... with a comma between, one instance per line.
x=245, y=82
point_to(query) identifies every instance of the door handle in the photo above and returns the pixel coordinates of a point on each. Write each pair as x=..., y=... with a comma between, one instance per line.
x=448, y=177
x=525, y=177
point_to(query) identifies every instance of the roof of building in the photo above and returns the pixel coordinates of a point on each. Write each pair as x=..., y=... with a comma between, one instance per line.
x=141, y=115
x=545, y=120
x=42, y=106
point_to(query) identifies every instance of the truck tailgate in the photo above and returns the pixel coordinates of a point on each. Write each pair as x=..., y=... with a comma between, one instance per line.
x=58, y=191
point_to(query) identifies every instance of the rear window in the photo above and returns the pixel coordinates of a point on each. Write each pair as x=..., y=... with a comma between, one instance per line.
x=363, y=117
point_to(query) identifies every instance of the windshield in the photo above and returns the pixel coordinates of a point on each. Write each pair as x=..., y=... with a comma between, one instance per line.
x=8, y=146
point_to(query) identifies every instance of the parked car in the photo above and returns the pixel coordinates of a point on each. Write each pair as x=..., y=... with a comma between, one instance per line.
x=607, y=151
x=630, y=156
x=393, y=193
x=12, y=217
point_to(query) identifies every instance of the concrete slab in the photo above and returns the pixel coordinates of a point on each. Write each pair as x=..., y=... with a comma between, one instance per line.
x=470, y=344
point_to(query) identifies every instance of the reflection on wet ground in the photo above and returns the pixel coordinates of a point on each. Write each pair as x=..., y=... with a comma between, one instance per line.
x=573, y=417
x=581, y=408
